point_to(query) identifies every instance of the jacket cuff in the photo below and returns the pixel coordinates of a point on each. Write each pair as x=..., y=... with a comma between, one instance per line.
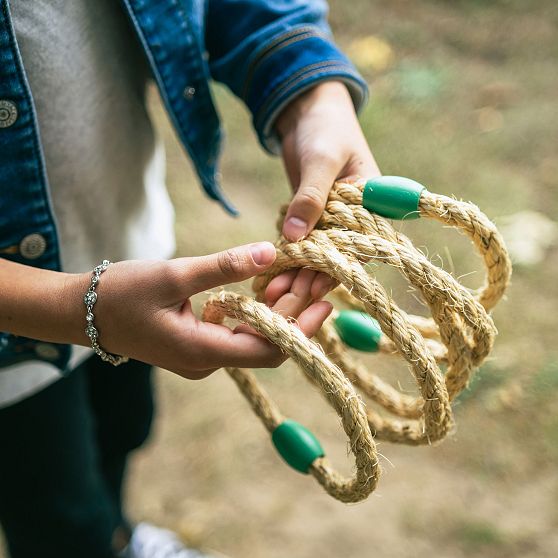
x=290, y=64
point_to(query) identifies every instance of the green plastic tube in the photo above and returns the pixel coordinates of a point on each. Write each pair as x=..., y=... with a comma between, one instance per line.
x=394, y=197
x=296, y=445
x=358, y=330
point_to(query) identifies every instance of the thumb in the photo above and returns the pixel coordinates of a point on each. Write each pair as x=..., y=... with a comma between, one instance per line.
x=229, y=266
x=317, y=175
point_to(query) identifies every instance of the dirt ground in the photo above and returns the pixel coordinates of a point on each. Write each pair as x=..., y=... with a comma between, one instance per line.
x=463, y=100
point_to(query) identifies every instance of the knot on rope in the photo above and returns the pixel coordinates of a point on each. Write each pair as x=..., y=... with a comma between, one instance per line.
x=442, y=351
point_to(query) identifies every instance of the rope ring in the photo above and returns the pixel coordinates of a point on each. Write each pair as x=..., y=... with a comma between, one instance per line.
x=352, y=231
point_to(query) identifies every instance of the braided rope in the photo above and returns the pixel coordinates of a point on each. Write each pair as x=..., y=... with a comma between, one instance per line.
x=459, y=335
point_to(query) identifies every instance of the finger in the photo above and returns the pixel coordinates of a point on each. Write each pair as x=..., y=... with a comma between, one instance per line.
x=322, y=285
x=278, y=286
x=197, y=374
x=245, y=328
x=218, y=346
x=292, y=301
x=291, y=304
x=317, y=175
x=230, y=266
x=281, y=285
x=303, y=282
x=311, y=320
x=295, y=296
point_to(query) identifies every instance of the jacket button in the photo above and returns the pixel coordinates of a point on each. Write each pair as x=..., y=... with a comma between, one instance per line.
x=46, y=351
x=8, y=113
x=32, y=246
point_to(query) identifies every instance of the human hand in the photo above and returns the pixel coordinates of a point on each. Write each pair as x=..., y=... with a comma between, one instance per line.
x=322, y=141
x=144, y=311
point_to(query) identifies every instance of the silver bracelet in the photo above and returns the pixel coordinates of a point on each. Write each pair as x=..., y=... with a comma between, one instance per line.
x=91, y=331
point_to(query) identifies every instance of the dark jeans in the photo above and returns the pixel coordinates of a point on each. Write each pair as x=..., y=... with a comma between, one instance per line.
x=63, y=455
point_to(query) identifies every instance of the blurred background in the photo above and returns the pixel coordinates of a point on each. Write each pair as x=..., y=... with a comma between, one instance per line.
x=464, y=99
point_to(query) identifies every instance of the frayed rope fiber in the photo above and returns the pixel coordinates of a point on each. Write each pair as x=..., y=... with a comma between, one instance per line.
x=459, y=335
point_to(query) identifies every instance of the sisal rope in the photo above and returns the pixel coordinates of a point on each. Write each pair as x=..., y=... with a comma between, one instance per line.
x=459, y=335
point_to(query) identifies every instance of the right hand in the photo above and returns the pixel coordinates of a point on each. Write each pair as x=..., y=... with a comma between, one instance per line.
x=144, y=311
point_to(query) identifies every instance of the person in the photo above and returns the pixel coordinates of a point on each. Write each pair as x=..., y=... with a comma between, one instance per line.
x=82, y=179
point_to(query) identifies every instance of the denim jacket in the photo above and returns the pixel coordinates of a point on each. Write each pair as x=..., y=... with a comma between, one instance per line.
x=265, y=51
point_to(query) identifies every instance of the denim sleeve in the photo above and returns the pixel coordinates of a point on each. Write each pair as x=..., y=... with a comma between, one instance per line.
x=269, y=51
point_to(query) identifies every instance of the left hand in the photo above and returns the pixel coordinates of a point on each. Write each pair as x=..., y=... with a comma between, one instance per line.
x=322, y=141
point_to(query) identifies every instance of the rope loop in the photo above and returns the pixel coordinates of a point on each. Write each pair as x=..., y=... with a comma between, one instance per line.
x=442, y=352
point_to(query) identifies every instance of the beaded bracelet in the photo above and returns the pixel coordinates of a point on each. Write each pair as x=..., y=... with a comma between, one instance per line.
x=91, y=331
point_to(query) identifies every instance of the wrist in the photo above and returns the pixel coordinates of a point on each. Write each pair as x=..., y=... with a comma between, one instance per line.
x=74, y=289
x=319, y=98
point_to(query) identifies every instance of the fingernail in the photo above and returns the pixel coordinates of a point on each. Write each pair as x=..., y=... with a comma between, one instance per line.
x=263, y=253
x=296, y=228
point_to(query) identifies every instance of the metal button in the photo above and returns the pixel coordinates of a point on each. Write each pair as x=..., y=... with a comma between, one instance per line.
x=32, y=246
x=189, y=92
x=47, y=351
x=8, y=113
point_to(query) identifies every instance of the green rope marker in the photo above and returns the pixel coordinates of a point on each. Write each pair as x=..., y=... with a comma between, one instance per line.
x=296, y=445
x=358, y=330
x=394, y=197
